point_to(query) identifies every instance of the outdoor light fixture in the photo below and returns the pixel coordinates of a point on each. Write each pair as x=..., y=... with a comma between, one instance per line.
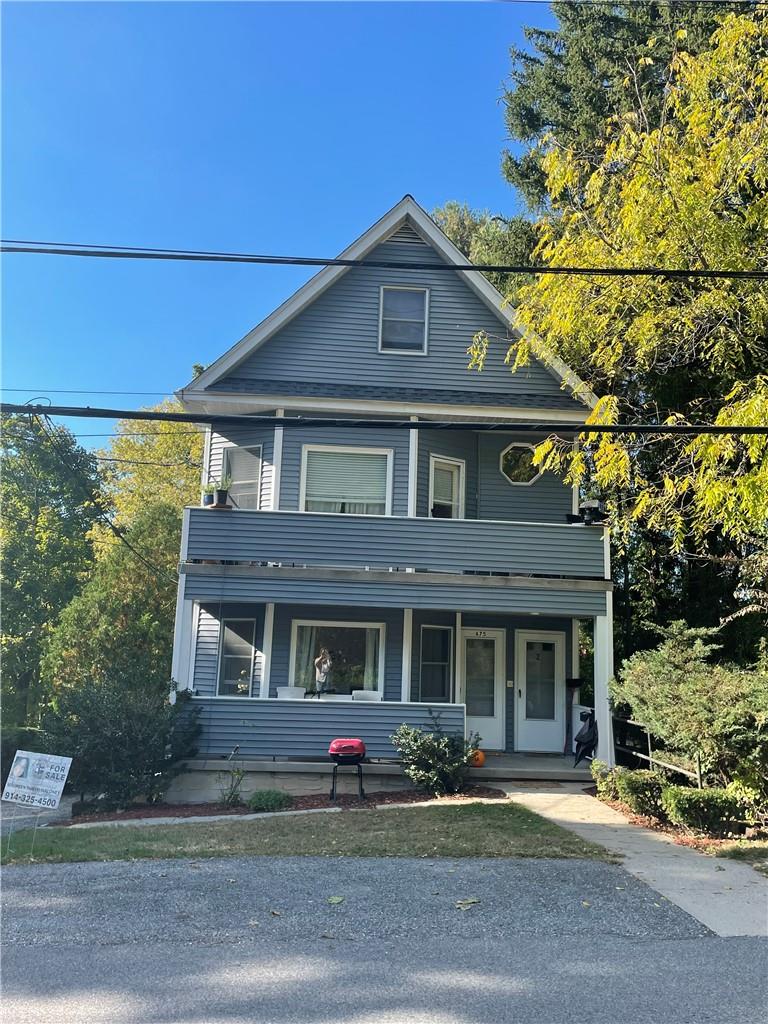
x=591, y=513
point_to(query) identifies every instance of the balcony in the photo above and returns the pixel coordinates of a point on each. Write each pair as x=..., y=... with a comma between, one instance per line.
x=393, y=543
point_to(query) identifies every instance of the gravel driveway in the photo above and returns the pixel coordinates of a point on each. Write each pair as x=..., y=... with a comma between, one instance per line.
x=257, y=940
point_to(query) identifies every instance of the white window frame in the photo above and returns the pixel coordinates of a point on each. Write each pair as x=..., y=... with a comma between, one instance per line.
x=517, y=483
x=451, y=652
x=404, y=288
x=225, y=471
x=220, y=657
x=381, y=626
x=352, y=450
x=462, y=467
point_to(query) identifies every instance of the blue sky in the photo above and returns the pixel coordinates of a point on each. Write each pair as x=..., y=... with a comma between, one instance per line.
x=283, y=128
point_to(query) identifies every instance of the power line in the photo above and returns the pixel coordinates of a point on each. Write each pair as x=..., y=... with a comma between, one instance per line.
x=541, y=426
x=148, y=462
x=127, y=252
x=42, y=418
x=83, y=391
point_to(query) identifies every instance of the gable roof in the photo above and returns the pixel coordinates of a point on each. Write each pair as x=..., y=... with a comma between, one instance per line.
x=407, y=211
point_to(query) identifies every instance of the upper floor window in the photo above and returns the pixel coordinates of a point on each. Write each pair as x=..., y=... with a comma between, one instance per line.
x=355, y=481
x=403, y=316
x=242, y=466
x=516, y=464
x=446, y=488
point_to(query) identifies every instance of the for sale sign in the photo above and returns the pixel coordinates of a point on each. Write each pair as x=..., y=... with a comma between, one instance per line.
x=36, y=780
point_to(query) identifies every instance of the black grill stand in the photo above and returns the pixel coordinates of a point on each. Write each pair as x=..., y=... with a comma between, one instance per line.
x=358, y=764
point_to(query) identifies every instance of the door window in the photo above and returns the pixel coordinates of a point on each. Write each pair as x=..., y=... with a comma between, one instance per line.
x=480, y=677
x=540, y=684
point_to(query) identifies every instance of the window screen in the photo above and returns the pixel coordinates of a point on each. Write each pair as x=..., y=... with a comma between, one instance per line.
x=243, y=466
x=403, y=320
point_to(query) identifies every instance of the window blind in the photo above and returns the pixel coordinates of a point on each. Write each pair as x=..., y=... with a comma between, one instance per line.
x=348, y=477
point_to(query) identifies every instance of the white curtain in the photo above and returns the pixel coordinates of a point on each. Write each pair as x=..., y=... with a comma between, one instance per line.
x=306, y=651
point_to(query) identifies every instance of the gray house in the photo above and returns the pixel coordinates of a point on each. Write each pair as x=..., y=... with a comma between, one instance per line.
x=393, y=568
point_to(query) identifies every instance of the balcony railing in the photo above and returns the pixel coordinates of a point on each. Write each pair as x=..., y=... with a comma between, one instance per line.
x=394, y=543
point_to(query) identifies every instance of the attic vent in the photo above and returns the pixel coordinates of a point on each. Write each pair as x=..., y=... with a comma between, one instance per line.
x=406, y=235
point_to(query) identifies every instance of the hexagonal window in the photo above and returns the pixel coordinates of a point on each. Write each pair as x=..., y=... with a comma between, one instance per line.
x=516, y=464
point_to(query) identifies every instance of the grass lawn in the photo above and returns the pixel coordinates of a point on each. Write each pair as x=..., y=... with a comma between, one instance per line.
x=751, y=851
x=458, y=830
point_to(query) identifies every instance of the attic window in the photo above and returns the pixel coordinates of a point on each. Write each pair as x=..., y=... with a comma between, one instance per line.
x=403, y=314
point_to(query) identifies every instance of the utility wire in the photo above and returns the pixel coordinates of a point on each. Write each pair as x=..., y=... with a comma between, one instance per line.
x=541, y=426
x=84, y=391
x=126, y=252
x=147, y=462
x=43, y=420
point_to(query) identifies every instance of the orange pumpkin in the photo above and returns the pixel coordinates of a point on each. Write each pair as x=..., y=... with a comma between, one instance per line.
x=478, y=759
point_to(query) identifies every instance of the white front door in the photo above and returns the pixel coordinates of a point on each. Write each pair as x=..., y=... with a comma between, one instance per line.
x=539, y=691
x=483, y=659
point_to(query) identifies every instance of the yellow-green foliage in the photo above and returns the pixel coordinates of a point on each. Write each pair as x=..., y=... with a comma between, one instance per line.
x=690, y=194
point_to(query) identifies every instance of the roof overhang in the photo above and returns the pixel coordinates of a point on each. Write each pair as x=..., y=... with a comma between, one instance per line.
x=237, y=403
x=406, y=211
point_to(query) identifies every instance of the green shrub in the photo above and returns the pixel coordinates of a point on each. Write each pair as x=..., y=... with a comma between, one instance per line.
x=125, y=742
x=17, y=737
x=269, y=800
x=715, y=811
x=435, y=762
x=605, y=779
x=641, y=790
x=699, y=709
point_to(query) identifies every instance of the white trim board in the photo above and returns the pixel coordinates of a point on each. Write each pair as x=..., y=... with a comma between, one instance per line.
x=406, y=211
x=241, y=403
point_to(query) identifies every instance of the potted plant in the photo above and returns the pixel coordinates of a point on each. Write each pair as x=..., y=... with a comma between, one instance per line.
x=221, y=490
x=208, y=494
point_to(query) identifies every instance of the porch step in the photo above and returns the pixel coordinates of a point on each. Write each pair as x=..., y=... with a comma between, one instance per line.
x=542, y=767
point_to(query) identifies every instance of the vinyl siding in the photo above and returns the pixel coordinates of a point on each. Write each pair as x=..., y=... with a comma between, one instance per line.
x=286, y=729
x=376, y=594
x=281, y=640
x=208, y=638
x=452, y=444
x=336, y=338
x=546, y=500
x=222, y=437
x=295, y=438
x=386, y=542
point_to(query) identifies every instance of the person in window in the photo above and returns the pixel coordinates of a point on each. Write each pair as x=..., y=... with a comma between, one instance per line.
x=322, y=668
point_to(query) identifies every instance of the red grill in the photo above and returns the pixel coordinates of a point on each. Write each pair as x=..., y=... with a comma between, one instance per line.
x=347, y=751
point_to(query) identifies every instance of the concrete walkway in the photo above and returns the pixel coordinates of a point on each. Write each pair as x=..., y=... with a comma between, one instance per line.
x=14, y=817
x=729, y=898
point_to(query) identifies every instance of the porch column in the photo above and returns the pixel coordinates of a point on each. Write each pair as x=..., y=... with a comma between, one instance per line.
x=277, y=462
x=183, y=640
x=405, y=685
x=266, y=646
x=413, y=468
x=603, y=641
x=458, y=696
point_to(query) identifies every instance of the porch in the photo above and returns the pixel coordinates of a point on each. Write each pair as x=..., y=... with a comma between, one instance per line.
x=202, y=780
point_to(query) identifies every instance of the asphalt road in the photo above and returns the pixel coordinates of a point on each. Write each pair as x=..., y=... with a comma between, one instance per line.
x=256, y=940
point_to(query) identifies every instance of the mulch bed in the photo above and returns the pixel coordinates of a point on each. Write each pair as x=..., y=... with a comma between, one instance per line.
x=298, y=803
x=695, y=841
